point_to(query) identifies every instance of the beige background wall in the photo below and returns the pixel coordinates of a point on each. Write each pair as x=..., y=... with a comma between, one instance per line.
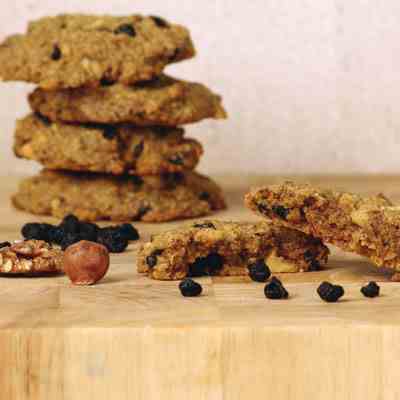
x=310, y=85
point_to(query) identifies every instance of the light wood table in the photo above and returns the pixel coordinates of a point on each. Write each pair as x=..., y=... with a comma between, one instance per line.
x=133, y=338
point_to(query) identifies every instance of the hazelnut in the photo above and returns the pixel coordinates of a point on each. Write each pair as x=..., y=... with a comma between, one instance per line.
x=86, y=262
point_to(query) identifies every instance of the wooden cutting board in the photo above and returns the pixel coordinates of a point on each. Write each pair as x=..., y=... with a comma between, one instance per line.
x=133, y=338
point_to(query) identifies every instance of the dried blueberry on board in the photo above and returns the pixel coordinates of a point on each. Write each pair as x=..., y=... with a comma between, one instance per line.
x=330, y=293
x=275, y=290
x=113, y=239
x=36, y=231
x=88, y=231
x=129, y=232
x=69, y=239
x=259, y=271
x=370, y=290
x=70, y=224
x=190, y=288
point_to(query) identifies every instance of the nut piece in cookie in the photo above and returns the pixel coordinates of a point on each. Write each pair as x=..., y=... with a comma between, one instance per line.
x=229, y=249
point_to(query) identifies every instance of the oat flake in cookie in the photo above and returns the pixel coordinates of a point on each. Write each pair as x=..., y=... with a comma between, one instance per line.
x=103, y=148
x=228, y=249
x=163, y=101
x=75, y=50
x=30, y=257
x=94, y=197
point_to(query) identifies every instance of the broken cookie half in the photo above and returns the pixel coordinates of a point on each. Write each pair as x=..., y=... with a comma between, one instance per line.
x=228, y=249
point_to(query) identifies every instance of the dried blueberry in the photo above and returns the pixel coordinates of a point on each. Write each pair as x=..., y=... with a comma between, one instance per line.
x=275, y=290
x=205, y=196
x=36, y=231
x=56, y=53
x=43, y=119
x=126, y=29
x=138, y=150
x=137, y=180
x=370, y=290
x=5, y=244
x=69, y=239
x=176, y=159
x=110, y=132
x=330, y=293
x=190, y=288
x=259, y=271
x=263, y=209
x=205, y=225
x=70, y=224
x=151, y=260
x=160, y=22
x=106, y=82
x=56, y=235
x=143, y=210
x=314, y=266
x=129, y=232
x=113, y=239
x=206, y=265
x=88, y=231
x=280, y=211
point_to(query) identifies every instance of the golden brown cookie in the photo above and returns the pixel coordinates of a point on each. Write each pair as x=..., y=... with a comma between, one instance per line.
x=103, y=148
x=228, y=249
x=93, y=197
x=368, y=226
x=74, y=50
x=163, y=101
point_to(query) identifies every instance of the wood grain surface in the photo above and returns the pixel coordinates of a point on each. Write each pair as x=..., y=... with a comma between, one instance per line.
x=133, y=338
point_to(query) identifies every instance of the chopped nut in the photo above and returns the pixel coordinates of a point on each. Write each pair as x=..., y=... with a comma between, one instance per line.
x=279, y=264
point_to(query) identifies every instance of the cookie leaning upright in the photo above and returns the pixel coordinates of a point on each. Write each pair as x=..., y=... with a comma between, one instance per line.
x=69, y=51
x=368, y=226
x=106, y=122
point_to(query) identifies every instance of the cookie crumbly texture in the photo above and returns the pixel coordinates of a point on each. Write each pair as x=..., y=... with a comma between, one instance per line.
x=368, y=226
x=176, y=253
x=93, y=197
x=30, y=257
x=74, y=50
x=106, y=149
x=163, y=101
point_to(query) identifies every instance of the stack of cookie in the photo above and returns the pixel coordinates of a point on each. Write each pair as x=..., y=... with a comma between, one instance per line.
x=105, y=121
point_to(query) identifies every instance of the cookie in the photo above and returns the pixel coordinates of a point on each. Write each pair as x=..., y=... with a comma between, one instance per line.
x=75, y=50
x=30, y=257
x=228, y=249
x=163, y=101
x=93, y=197
x=103, y=148
x=368, y=226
